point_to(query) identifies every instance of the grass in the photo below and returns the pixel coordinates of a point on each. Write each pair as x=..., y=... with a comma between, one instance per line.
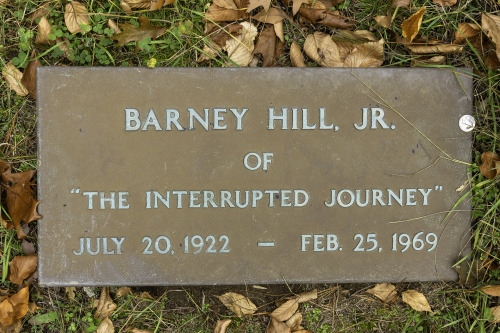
x=341, y=308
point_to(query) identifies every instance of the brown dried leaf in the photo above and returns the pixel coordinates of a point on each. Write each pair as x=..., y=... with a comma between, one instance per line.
x=335, y=21
x=307, y=296
x=286, y=310
x=131, y=33
x=44, y=30
x=297, y=4
x=277, y=327
x=29, y=76
x=356, y=37
x=32, y=307
x=146, y=295
x=416, y=300
x=112, y=24
x=13, y=77
x=366, y=55
x=75, y=14
x=385, y=292
x=128, y=5
x=278, y=30
x=20, y=202
x=64, y=45
x=105, y=305
x=400, y=3
x=123, y=291
x=312, y=15
x=228, y=4
x=468, y=31
x=492, y=290
x=321, y=48
x=237, y=303
x=436, y=60
x=28, y=247
x=41, y=11
x=240, y=49
x=294, y=321
x=14, y=307
x=16, y=327
x=488, y=167
x=222, y=325
x=411, y=25
x=383, y=21
x=495, y=312
x=136, y=330
x=445, y=2
x=252, y=4
x=296, y=55
x=272, y=16
x=491, y=24
x=266, y=45
x=219, y=14
x=21, y=267
x=70, y=291
x=438, y=48
x=106, y=326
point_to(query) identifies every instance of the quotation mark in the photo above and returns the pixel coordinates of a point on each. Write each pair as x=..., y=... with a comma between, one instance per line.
x=438, y=188
x=73, y=190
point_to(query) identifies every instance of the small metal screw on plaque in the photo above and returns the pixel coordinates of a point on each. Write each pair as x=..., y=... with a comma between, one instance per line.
x=467, y=123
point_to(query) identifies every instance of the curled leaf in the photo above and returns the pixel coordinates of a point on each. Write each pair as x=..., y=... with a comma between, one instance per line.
x=411, y=25
x=75, y=15
x=322, y=49
x=294, y=321
x=386, y=292
x=296, y=56
x=132, y=33
x=383, y=20
x=112, y=24
x=106, y=326
x=218, y=14
x=438, y=48
x=240, y=49
x=276, y=326
x=123, y=291
x=266, y=45
x=29, y=76
x=366, y=55
x=237, y=303
x=416, y=300
x=436, y=60
x=286, y=310
x=105, y=305
x=21, y=267
x=14, y=307
x=445, y=2
x=43, y=30
x=489, y=166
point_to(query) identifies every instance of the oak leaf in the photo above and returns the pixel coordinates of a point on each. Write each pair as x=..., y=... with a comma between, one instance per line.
x=106, y=326
x=445, y=2
x=492, y=290
x=240, y=49
x=385, y=292
x=237, y=303
x=13, y=77
x=257, y=3
x=222, y=325
x=21, y=267
x=29, y=76
x=489, y=166
x=20, y=202
x=44, y=29
x=296, y=56
x=411, y=25
x=131, y=33
x=286, y=310
x=416, y=300
x=276, y=326
x=105, y=305
x=15, y=307
x=491, y=24
x=75, y=14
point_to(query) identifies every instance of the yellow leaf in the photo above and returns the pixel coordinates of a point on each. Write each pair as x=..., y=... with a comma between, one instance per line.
x=411, y=25
x=237, y=303
x=14, y=307
x=416, y=300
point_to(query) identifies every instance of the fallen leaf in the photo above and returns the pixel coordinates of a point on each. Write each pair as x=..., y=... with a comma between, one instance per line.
x=445, y=2
x=217, y=14
x=13, y=77
x=257, y=3
x=70, y=291
x=16, y=327
x=297, y=4
x=14, y=307
x=366, y=55
x=21, y=267
x=228, y=4
x=276, y=326
x=237, y=303
x=106, y=326
x=131, y=33
x=286, y=310
x=126, y=7
x=29, y=75
x=294, y=321
x=20, y=202
x=75, y=14
x=383, y=21
x=491, y=24
x=278, y=30
x=112, y=24
x=240, y=48
x=488, y=167
x=32, y=307
x=146, y=295
x=492, y=290
x=28, y=247
x=105, y=305
x=266, y=45
x=158, y=4
x=312, y=15
x=44, y=29
x=322, y=49
x=385, y=292
x=400, y=3
x=335, y=21
x=307, y=296
x=41, y=11
x=416, y=300
x=272, y=16
x=411, y=25
x=468, y=31
x=296, y=56
x=136, y=330
x=439, y=48
x=123, y=291
x=495, y=312
x=222, y=325
x=436, y=60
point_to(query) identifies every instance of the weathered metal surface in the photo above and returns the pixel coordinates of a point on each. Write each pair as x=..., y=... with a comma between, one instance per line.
x=139, y=188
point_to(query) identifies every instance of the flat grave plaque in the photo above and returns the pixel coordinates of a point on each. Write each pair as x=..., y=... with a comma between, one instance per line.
x=178, y=176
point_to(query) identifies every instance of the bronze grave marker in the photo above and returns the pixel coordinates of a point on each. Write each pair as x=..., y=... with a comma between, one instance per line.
x=228, y=176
